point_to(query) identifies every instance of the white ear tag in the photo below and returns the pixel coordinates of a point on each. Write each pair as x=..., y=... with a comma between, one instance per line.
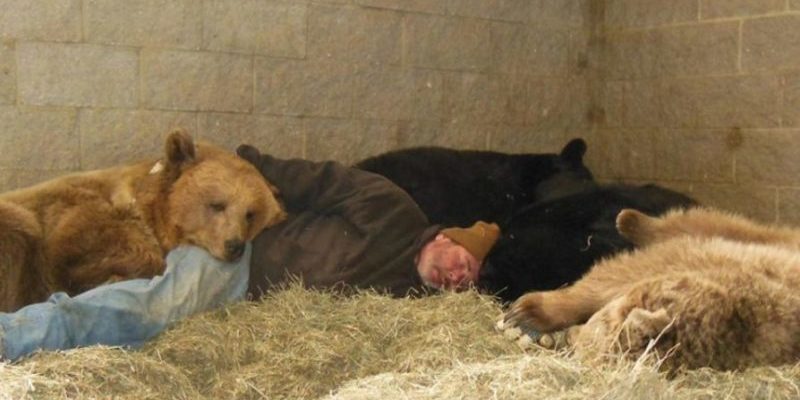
x=157, y=167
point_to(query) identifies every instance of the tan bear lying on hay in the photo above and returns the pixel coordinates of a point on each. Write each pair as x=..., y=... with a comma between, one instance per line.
x=78, y=231
x=708, y=288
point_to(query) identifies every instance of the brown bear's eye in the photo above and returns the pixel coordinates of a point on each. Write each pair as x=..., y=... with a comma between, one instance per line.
x=250, y=216
x=217, y=206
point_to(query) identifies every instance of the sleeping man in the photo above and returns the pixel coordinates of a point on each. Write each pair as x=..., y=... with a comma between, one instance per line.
x=346, y=229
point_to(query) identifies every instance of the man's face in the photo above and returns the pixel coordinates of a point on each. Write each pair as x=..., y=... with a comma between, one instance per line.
x=444, y=264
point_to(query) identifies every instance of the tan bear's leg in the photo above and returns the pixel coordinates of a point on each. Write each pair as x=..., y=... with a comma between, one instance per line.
x=696, y=320
x=644, y=230
x=558, y=309
x=92, y=245
x=20, y=239
x=622, y=326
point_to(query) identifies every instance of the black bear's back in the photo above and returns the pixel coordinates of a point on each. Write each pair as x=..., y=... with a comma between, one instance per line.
x=458, y=187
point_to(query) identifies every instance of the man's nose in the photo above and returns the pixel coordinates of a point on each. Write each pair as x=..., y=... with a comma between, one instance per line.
x=456, y=276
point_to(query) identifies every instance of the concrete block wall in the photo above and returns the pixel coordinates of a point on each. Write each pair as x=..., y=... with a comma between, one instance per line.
x=699, y=95
x=703, y=96
x=90, y=83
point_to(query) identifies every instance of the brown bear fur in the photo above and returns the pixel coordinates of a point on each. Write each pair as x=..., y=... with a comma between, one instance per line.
x=707, y=289
x=81, y=230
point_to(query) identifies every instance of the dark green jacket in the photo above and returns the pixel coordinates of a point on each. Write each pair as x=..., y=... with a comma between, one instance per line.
x=345, y=227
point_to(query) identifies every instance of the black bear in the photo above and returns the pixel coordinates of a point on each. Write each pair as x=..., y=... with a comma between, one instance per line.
x=458, y=187
x=554, y=242
x=555, y=220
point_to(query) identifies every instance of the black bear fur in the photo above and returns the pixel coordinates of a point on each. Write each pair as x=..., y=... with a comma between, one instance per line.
x=458, y=187
x=553, y=243
x=555, y=220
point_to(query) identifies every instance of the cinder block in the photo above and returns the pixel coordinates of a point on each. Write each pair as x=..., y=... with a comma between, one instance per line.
x=700, y=155
x=309, y=88
x=771, y=43
x=159, y=23
x=659, y=103
x=415, y=133
x=183, y=80
x=460, y=134
x=268, y=27
x=31, y=133
x=523, y=139
x=13, y=178
x=357, y=35
x=622, y=154
x=521, y=49
x=753, y=201
x=77, y=75
x=768, y=157
x=789, y=206
x=113, y=137
x=621, y=14
x=8, y=74
x=613, y=99
x=448, y=43
x=508, y=10
x=687, y=50
x=348, y=141
x=561, y=14
x=486, y=98
x=712, y=102
x=693, y=155
x=790, y=116
x=748, y=101
x=425, y=6
x=557, y=105
x=50, y=20
x=278, y=136
x=738, y=8
x=393, y=93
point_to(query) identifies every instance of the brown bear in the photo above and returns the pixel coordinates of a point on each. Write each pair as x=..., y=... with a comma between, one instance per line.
x=81, y=230
x=707, y=289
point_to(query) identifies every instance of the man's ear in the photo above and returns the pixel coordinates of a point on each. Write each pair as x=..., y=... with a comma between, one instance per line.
x=179, y=153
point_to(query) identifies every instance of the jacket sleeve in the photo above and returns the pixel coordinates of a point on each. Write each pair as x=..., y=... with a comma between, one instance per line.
x=329, y=187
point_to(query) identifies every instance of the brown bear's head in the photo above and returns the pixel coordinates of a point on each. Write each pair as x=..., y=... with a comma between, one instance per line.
x=215, y=199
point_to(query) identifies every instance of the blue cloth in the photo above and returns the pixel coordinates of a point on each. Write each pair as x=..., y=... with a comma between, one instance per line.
x=126, y=313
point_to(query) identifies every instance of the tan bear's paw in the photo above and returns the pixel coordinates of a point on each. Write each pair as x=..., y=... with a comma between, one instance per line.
x=641, y=326
x=529, y=339
x=635, y=226
x=530, y=313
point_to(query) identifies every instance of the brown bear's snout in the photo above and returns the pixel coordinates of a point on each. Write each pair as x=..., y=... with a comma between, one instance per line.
x=234, y=249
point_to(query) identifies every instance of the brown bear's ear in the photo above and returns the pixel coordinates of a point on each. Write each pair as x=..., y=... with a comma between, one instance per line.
x=179, y=147
x=180, y=153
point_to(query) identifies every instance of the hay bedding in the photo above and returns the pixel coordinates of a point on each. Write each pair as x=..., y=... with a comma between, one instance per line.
x=300, y=344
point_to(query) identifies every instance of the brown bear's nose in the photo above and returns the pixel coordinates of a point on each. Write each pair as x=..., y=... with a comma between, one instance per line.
x=234, y=249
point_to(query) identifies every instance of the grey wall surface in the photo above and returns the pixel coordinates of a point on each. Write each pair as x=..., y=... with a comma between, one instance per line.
x=698, y=95
x=704, y=96
x=88, y=84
